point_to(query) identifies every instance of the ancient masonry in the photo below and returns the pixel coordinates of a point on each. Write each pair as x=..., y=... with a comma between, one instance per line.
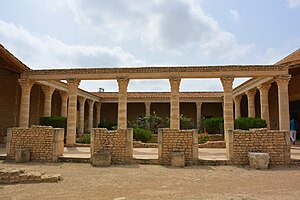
x=275, y=143
x=44, y=142
x=13, y=176
x=177, y=141
x=118, y=143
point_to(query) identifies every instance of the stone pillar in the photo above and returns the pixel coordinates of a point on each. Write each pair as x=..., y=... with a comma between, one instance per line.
x=175, y=110
x=122, y=103
x=199, y=119
x=264, y=102
x=283, y=101
x=251, y=102
x=48, y=91
x=228, y=112
x=26, y=86
x=72, y=111
x=64, y=103
x=91, y=114
x=98, y=107
x=237, y=106
x=81, y=114
x=147, y=112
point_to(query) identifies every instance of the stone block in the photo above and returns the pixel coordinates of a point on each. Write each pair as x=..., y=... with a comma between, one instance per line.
x=101, y=159
x=22, y=155
x=258, y=160
x=177, y=159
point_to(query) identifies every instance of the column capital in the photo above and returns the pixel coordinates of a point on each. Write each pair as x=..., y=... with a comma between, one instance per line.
x=48, y=90
x=282, y=80
x=147, y=103
x=251, y=93
x=175, y=83
x=90, y=102
x=26, y=83
x=227, y=82
x=98, y=105
x=199, y=103
x=123, y=83
x=81, y=100
x=73, y=82
x=238, y=98
x=264, y=88
x=63, y=94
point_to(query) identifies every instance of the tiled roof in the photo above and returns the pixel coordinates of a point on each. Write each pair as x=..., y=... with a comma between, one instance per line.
x=9, y=62
x=135, y=95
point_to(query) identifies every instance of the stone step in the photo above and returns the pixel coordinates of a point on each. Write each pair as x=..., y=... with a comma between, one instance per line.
x=74, y=160
x=213, y=162
x=2, y=157
x=145, y=161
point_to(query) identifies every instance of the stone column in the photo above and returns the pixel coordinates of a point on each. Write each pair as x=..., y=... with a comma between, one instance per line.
x=91, y=114
x=48, y=91
x=26, y=86
x=98, y=107
x=251, y=102
x=228, y=112
x=122, y=103
x=175, y=111
x=64, y=103
x=199, y=119
x=283, y=101
x=72, y=111
x=147, y=112
x=81, y=114
x=264, y=102
x=237, y=106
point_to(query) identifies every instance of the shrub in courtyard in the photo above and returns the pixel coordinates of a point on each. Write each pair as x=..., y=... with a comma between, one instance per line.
x=214, y=125
x=246, y=123
x=109, y=125
x=85, y=138
x=143, y=135
x=202, y=138
x=55, y=122
x=151, y=123
x=186, y=122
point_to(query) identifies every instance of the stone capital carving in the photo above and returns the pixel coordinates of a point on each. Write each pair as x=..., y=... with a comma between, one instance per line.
x=90, y=102
x=26, y=84
x=48, y=90
x=63, y=94
x=238, y=98
x=282, y=80
x=199, y=104
x=147, y=104
x=98, y=105
x=227, y=82
x=175, y=84
x=250, y=93
x=264, y=88
x=73, y=82
x=123, y=83
x=81, y=100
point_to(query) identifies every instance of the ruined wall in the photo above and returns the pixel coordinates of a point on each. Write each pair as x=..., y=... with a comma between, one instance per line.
x=118, y=143
x=45, y=143
x=276, y=143
x=179, y=141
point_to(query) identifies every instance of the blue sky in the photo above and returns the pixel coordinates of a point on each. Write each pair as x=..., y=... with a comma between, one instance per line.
x=109, y=33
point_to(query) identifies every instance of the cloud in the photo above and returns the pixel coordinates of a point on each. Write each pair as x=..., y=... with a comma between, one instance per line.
x=234, y=15
x=43, y=51
x=293, y=3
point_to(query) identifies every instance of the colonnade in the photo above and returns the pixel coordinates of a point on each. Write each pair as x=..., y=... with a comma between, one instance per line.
x=72, y=97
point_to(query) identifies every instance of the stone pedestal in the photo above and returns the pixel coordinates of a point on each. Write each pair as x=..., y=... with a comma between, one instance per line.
x=101, y=159
x=259, y=160
x=177, y=159
x=22, y=155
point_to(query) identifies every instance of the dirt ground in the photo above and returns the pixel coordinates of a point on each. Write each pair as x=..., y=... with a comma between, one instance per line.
x=81, y=181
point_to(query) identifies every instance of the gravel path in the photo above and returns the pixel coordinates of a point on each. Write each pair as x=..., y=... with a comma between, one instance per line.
x=81, y=181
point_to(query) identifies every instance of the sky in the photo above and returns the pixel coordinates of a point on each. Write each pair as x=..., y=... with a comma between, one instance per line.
x=50, y=34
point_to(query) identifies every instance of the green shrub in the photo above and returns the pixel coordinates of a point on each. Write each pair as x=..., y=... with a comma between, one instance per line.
x=55, y=122
x=214, y=125
x=143, y=135
x=202, y=138
x=109, y=125
x=246, y=123
x=85, y=138
x=186, y=122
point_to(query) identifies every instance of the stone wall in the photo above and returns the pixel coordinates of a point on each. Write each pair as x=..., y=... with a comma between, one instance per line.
x=118, y=143
x=45, y=143
x=276, y=143
x=179, y=141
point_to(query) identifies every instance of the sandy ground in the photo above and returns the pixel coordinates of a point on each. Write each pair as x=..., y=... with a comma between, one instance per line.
x=81, y=181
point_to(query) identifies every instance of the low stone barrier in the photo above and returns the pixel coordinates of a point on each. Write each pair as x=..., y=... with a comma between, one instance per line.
x=275, y=143
x=13, y=176
x=44, y=142
x=139, y=144
x=172, y=141
x=213, y=144
x=118, y=143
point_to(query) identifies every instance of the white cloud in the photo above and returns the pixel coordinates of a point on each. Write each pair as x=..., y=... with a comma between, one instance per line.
x=40, y=51
x=293, y=3
x=234, y=15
